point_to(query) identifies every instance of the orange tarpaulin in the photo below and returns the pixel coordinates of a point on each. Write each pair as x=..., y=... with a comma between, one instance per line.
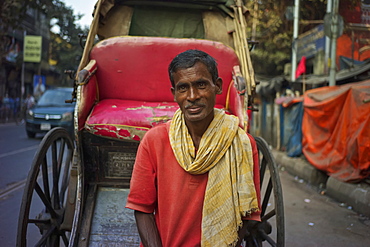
x=336, y=130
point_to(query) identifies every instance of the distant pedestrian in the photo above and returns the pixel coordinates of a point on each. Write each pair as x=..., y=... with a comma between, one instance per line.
x=29, y=101
x=16, y=108
x=8, y=107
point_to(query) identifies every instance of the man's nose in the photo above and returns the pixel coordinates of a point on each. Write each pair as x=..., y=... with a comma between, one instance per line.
x=193, y=94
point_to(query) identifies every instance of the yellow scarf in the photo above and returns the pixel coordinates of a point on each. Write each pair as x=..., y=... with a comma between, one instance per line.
x=225, y=151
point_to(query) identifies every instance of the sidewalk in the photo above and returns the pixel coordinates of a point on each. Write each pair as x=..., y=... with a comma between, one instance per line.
x=355, y=195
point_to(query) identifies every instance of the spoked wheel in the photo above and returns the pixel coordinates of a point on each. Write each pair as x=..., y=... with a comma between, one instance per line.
x=271, y=230
x=44, y=198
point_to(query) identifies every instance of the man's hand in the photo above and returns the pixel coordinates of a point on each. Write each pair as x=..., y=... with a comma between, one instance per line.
x=148, y=230
x=242, y=231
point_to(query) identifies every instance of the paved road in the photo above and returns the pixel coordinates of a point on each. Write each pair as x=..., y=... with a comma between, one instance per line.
x=16, y=154
x=312, y=218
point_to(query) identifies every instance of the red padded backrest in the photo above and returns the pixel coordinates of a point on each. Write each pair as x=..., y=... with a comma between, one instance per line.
x=135, y=68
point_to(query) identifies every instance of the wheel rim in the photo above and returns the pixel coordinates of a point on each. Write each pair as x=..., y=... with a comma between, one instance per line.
x=42, y=208
x=271, y=229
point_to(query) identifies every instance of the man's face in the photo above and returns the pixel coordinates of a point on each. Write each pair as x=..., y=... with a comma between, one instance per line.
x=195, y=92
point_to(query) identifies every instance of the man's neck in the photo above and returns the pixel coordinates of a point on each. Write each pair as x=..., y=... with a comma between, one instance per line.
x=196, y=132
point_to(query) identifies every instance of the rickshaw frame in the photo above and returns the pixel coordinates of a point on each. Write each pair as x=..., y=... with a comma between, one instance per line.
x=70, y=202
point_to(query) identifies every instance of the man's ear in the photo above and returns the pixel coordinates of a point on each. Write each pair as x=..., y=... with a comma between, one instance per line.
x=218, y=84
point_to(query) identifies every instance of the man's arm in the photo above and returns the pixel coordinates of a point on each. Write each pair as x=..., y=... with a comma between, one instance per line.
x=148, y=230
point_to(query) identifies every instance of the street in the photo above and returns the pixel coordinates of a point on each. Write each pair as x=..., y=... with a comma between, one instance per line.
x=16, y=154
x=311, y=217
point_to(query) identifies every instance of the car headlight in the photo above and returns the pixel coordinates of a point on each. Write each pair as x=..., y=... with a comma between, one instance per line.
x=68, y=116
x=29, y=114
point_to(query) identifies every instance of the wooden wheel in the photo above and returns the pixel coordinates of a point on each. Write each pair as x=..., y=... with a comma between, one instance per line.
x=44, y=198
x=271, y=230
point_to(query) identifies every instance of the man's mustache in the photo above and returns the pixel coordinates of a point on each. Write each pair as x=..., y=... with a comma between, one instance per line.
x=194, y=104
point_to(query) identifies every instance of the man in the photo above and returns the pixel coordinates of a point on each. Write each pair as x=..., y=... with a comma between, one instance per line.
x=39, y=89
x=193, y=181
x=29, y=101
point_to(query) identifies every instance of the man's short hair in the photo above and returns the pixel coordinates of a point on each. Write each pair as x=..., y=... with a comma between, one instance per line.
x=187, y=59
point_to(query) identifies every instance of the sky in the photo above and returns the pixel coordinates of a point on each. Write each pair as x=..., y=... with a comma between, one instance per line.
x=85, y=7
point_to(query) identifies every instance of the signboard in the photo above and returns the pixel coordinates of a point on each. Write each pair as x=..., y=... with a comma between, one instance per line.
x=39, y=84
x=311, y=42
x=329, y=26
x=32, y=49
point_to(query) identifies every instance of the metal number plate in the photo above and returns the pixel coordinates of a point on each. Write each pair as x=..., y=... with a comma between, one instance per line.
x=45, y=126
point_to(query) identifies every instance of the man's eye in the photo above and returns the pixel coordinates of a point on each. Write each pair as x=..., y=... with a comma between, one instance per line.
x=181, y=88
x=201, y=85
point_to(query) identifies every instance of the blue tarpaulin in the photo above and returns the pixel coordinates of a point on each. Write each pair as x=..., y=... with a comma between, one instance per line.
x=291, y=114
x=293, y=129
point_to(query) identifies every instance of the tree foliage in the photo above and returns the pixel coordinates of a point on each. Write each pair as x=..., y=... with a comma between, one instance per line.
x=65, y=45
x=275, y=31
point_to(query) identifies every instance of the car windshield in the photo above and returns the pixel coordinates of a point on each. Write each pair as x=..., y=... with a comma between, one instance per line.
x=55, y=97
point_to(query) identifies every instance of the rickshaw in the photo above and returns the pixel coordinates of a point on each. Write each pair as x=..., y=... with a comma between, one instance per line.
x=77, y=187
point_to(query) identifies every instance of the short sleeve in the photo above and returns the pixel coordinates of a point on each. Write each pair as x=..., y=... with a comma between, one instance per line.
x=142, y=196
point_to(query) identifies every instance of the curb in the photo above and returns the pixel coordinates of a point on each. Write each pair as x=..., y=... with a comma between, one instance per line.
x=355, y=195
x=301, y=168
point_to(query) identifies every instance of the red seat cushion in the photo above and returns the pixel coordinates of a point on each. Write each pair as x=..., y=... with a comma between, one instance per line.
x=135, y=68
x=132, y=85
x=128, y=119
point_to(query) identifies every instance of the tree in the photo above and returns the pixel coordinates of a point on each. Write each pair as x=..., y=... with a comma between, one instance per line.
x=65, y=46
x=9, y=17
x=275, y=31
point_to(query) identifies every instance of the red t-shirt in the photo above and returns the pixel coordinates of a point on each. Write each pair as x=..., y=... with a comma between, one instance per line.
x=160, y=185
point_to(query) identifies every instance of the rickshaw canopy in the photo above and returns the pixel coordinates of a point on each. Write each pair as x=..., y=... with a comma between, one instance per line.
x=221, y=20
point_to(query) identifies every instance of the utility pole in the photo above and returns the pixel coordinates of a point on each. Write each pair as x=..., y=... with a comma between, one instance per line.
x=327, y=42
x=295, y=37
x=333, y=54
x=22, y=74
